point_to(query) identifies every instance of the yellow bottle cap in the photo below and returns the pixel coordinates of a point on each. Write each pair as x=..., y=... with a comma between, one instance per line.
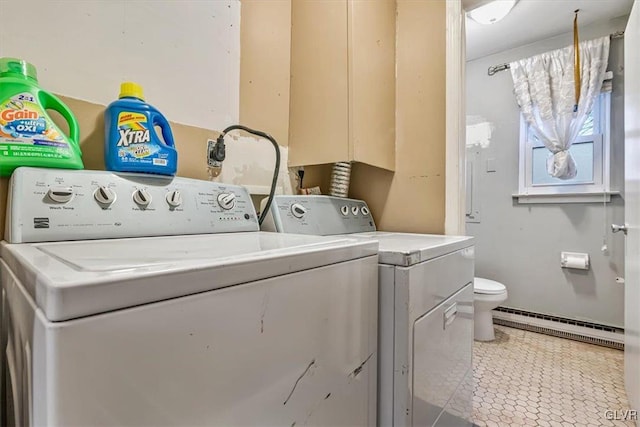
x=131, y=89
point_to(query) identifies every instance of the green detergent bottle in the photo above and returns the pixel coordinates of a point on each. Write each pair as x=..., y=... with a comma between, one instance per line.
x=28, y=136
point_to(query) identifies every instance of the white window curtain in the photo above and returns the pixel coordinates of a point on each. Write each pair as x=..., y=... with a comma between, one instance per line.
x=545, y=91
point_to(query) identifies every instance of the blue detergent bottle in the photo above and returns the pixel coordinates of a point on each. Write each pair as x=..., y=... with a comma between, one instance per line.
x=131, y=143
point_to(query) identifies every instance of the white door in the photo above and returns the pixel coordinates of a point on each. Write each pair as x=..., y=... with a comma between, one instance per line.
x=632, y=207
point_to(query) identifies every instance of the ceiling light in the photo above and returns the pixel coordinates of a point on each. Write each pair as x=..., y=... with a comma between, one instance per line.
x=492, y=12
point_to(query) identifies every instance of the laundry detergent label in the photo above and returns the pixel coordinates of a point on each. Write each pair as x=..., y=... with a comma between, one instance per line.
x=135, y=140
x=27, y=131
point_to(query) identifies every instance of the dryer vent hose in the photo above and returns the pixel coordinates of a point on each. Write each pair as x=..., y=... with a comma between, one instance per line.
x=340, y=177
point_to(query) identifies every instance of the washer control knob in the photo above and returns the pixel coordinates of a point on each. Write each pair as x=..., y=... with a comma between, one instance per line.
x=226, y=200
x=142, y=198
x=364, y=210
x=355, y=210
x=344, y=210
x=298, y=210
x=60, y=194
x=174, y=198
x=104, y=195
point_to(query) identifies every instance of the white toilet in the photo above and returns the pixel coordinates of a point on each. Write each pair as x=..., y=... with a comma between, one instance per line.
x=487, y=295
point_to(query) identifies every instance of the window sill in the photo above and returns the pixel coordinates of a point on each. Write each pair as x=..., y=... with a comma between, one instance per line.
x=583, y=197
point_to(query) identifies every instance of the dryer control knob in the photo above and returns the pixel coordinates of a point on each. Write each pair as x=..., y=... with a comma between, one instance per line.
x=142, y=198
x=298, y=210
x=226, y=200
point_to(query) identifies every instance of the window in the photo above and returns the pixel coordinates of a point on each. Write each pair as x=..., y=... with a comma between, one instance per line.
x=590, y=151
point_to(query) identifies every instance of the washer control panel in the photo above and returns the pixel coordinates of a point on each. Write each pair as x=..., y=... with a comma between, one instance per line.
x=58, y=205
x=318, y=215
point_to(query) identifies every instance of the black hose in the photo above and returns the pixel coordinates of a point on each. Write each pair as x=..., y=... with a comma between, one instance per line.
x=276, y=170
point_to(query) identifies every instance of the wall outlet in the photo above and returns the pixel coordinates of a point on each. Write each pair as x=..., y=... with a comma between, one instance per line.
x=210, y=161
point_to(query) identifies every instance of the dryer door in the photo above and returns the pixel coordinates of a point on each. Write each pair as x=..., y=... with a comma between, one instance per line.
x=442, y=352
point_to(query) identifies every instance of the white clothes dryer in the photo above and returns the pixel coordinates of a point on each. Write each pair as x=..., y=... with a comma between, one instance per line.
x=426, y=309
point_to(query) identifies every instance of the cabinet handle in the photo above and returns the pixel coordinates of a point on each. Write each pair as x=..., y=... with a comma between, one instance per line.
x=450, y=314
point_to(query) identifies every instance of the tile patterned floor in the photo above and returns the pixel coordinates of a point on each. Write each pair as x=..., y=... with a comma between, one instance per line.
x=525, y=378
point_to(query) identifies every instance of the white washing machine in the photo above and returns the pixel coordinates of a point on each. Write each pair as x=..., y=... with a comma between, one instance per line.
x=209, y=323
x=426, y=310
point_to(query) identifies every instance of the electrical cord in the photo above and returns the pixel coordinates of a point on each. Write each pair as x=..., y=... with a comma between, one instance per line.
x=219, y=154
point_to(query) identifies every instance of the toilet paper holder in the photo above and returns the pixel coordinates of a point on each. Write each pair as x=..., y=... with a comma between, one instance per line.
x=575, y=260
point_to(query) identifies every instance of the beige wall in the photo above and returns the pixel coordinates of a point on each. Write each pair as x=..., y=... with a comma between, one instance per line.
x=412, y=198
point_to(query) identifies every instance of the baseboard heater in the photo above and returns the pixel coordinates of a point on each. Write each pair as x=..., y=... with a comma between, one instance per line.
x=578, y=330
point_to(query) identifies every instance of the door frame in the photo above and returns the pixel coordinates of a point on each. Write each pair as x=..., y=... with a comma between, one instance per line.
x=631, y=320
x=455, y=191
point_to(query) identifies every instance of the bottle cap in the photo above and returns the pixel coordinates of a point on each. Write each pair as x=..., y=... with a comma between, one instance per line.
x=131, y=90
x=15, y=67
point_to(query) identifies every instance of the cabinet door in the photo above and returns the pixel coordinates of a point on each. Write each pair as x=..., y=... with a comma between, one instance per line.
x=319, y=114
x=372, y=91
x=342, y=101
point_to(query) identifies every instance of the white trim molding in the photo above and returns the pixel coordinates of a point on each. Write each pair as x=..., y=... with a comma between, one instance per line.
x=582, y=197
x=455, y=198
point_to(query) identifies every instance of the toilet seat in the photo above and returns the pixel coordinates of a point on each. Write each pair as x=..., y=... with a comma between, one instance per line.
x=487, y=287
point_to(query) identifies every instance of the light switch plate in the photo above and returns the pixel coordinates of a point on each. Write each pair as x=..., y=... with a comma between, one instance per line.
x=491, y=165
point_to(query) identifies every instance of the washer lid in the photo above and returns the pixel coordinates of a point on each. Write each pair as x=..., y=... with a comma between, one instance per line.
x=81, y=278
x=405, y=249
x=487, y=287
